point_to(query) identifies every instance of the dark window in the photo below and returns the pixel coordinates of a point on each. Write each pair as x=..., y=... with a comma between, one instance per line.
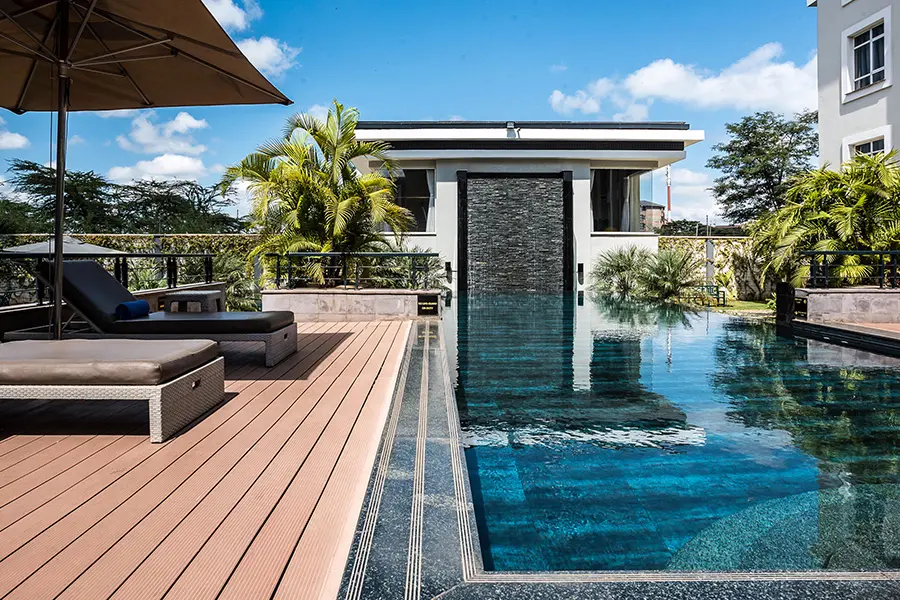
x=413, y=194
x=870, y=148
x=869, y=57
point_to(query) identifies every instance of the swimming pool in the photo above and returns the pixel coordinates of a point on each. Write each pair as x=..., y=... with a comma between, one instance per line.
x=617, y=437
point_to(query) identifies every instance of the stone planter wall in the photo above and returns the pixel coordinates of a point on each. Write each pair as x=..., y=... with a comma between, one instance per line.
x=851, y=305
x=313, y=305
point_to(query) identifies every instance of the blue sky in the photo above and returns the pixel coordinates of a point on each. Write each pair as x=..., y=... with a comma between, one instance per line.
x=706, y=62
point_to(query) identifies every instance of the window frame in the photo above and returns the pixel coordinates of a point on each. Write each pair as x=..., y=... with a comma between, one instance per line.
x=850, y=143
x=848, y=57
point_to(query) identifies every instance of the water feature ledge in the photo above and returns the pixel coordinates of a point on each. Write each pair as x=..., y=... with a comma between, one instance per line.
x=339, y=304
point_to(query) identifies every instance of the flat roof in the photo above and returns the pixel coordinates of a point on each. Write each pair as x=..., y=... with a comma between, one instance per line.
x=666, y=125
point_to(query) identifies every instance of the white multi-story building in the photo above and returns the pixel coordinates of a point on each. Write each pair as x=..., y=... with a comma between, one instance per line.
x=526, y=206
x=858, y=103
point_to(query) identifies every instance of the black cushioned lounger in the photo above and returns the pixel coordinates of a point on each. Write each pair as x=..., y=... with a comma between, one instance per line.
x=94, y=294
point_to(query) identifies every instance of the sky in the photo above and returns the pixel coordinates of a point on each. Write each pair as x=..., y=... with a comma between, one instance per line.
x=706, y=62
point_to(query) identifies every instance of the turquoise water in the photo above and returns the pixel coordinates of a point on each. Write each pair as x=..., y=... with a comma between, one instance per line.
x=615, y=437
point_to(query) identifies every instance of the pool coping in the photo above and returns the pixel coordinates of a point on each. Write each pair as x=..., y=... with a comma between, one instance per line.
x=472, y=575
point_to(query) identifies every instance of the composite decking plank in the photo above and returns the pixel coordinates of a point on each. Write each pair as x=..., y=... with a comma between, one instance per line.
x=68, y=548
x=23, y=453
x=212, y=484
x=152, y=460
x=213, y=561
x=246, y=371
x=13, y=507
x=48, y=455
x=330, y=529
x=17, y=441
x=156, y=573
x=260, y=569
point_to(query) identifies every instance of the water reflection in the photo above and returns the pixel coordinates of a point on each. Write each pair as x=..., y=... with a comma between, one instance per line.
x=617, y=436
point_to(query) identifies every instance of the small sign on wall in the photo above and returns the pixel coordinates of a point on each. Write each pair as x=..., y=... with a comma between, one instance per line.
x=428, y=305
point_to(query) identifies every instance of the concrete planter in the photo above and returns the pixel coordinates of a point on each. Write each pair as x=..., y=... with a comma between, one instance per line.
x=852, y=305
x=346, y=305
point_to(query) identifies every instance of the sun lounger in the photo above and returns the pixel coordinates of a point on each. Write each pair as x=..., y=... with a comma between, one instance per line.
x=94, y=295
x=181, y=379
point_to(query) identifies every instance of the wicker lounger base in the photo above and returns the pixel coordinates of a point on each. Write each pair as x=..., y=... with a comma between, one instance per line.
x=173, y=405
x=279, y=344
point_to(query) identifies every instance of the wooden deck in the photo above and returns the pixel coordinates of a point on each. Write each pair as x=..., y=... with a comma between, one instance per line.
x=259, y=499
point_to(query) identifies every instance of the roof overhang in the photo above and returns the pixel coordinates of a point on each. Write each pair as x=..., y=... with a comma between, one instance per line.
x=658, y=143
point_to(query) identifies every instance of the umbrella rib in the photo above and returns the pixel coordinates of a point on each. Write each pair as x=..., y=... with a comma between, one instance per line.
x=32, y=52
x=115, y=19
x=49, y=54
x=196, y=59
x=34, y=65
x=125, y=72
x=98, y=71
x=119, y=61
x=27, y=11
x=110, y=54
x=80, y=32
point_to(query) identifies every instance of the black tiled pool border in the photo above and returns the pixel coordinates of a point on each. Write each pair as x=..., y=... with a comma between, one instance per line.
x=417, y=538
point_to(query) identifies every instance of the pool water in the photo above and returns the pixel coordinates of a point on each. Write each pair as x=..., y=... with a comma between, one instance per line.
x=615, y=437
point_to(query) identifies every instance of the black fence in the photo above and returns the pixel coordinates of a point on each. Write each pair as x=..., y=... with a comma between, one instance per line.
x=135, y=271
x=831, y=268
x=355, y=270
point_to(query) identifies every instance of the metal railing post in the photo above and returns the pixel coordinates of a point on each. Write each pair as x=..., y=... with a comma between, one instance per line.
x=278, y=272
x=344, y=269
x=881, y=272
x=124, y=280
x=208, y=268
x=40, y=284
x=893, y=270
x=825, y=272
x=356, y=269
x=117, y=269
x=813, y=272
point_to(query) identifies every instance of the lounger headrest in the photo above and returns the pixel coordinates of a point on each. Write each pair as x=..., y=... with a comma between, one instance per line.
x=92, y=290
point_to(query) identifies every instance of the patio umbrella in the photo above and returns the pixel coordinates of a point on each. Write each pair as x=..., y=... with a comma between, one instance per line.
x=76, y=55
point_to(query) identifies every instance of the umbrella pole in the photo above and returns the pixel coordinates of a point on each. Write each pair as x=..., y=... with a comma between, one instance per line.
x=61, y=143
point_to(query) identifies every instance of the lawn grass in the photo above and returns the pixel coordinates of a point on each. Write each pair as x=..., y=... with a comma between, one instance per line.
x=746, y=306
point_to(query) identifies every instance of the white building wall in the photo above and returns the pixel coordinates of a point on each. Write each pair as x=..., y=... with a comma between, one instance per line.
x=843, y=120
x=588, y=245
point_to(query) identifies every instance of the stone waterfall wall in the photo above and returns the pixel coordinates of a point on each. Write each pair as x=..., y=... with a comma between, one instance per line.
x=515, y=241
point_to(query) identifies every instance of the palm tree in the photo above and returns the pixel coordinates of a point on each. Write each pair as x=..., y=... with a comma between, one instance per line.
x=307, y=194
x=857, y=208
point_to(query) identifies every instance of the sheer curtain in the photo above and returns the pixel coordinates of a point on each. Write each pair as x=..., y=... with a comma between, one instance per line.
x=429, y=219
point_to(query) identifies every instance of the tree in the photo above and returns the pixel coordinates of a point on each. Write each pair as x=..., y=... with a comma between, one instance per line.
x=857, y=208
x=89, y=197
x=683, y=227
x=96, y=205
x=764, y=152
x=308, y=196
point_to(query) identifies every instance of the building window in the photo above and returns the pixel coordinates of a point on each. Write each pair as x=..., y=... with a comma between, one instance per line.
x=869, y=57
x=866, y=59
x=615, y=200
x=415, y=192
x=871, y=148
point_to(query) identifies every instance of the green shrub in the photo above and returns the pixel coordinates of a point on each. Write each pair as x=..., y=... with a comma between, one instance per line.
x=634, y=273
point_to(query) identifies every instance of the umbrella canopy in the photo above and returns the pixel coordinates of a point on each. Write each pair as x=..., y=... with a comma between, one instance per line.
x=70, y=246
x=117, y=54
x=122, y=54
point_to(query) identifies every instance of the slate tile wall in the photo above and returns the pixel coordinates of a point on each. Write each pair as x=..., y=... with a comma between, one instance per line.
x=515, y=240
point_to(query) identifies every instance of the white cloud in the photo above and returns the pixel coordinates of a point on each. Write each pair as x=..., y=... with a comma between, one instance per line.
x=13, y=141
x=166, y=166
x=756, y=82
x=691, y=197
x=125, y=113
x=759, y=81
x=457, y=118
x=169, y=137
x=243, y=204
x=232, y=15
x=580, y=101
x=633, y=112
x=270, y=56
x=558, y=68
x=10, y=140
x=318, y=111
x=76, y=139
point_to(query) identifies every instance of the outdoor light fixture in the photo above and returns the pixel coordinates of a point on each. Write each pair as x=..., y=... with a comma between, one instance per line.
x=511, y=125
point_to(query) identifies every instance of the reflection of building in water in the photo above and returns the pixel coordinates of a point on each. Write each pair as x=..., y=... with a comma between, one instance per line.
x=545, y=370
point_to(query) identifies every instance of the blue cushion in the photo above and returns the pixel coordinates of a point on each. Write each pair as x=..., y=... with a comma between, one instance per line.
x=132, y=310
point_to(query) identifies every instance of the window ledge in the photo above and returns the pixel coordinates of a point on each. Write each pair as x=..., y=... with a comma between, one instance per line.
x=863, y=92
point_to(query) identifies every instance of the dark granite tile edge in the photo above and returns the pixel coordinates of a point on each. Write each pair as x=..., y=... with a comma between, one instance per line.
x=354, y=570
